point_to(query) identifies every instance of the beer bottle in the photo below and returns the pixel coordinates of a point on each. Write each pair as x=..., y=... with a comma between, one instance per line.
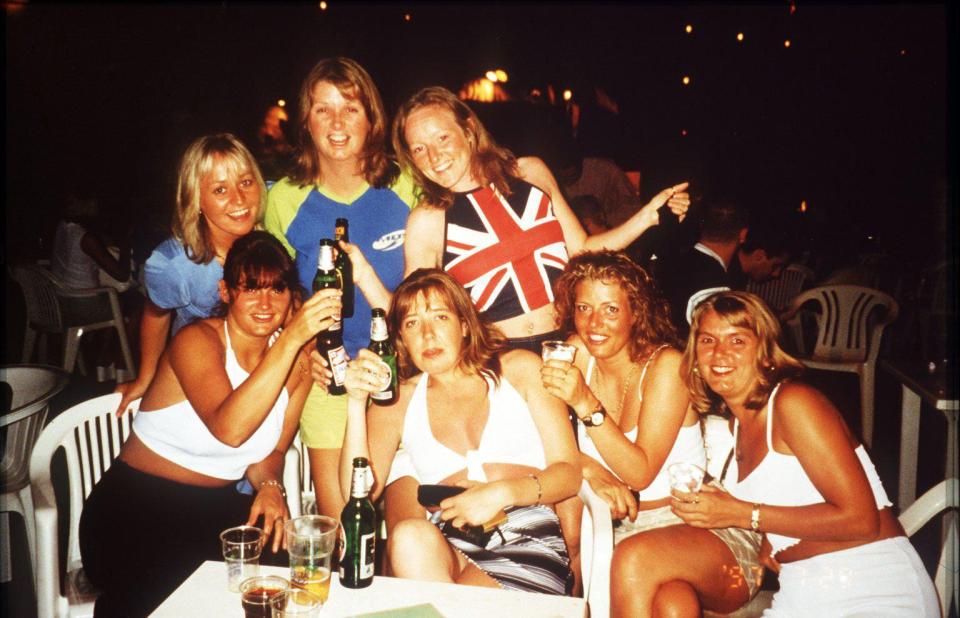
x=359, y=521
x=344, y=267
x=330, y=341
x=381, y=346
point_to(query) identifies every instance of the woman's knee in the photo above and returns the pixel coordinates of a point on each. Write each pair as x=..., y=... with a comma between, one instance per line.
x=675, y=599
x=634, y=558
x=411, y=540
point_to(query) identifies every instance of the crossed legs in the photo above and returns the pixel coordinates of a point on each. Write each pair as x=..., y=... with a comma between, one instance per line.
x=673, y=572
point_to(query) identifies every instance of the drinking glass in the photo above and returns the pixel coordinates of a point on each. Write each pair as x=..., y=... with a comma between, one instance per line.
x=241, y=552
x=558, y=350
x=256, y=592
x=295, y=603
x=685, y=476
x=310, y=541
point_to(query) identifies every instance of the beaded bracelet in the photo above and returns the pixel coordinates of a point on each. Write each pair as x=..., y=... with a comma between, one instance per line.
x=755, y=518
x=539, y=488
x=275, y=483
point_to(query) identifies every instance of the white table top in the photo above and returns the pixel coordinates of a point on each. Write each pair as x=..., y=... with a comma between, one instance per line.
x=205, y=595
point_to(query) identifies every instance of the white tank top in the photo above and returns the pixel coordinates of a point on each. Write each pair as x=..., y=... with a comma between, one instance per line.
x=176, y=432
x=780, y=480
x=510, y=436
x=688, y=446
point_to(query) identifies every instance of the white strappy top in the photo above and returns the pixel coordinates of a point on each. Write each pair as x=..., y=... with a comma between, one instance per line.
x=177, y=434
x=780, y=480
x=688, y=446
x=510, y=436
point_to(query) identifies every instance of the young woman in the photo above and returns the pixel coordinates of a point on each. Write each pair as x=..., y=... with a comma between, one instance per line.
x=499, y=225
x=223, y=405
x=341, y=170
x=797, y=474
x=470, y=415
x=219, y=199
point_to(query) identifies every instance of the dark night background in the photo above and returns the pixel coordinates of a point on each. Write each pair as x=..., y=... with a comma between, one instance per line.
x=851, y=118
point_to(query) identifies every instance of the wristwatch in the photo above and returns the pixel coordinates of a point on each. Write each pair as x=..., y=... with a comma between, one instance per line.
x=596, y=417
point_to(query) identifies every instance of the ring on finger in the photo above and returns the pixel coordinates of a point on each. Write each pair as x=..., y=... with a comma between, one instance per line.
x=696, y=499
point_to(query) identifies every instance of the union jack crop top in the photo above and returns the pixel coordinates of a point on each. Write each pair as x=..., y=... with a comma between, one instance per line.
x=506, y=252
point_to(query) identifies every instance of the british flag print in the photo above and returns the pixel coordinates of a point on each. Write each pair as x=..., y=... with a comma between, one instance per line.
x=511, y=254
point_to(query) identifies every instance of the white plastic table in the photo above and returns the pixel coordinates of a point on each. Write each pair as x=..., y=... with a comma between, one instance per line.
x=934, y=389
x=205, y=595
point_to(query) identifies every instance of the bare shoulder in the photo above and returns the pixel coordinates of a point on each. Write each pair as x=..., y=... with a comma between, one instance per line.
x=801, y=409
x=533, y=170
x=520, y=365
x=199, y=336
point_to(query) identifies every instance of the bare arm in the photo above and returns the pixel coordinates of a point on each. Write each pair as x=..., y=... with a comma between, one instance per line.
x=232, y=416
x=366, y=278
x=423, y=243
x=535, y=172
x=385, y=425
x=154, y=328
x=117, y=267
x=807, y=426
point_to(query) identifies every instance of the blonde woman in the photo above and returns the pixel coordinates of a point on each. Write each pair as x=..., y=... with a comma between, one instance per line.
x=220, y=195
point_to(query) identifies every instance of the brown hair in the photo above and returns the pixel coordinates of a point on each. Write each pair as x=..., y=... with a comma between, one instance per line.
x=743, y=310
x=481, y=345
x=189, y=224
x=258, y=261
x=353, y=82
x=489, y=163
x=652, y=327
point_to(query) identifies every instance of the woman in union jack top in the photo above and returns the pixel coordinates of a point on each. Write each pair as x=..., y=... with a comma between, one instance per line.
x=497, y=223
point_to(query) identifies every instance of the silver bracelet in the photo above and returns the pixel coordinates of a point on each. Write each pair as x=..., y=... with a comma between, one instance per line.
x=274, y=483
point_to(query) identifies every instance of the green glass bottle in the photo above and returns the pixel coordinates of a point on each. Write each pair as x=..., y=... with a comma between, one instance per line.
x=381, y=346
x=330, y=341
x=344, y=267
x=359, y=521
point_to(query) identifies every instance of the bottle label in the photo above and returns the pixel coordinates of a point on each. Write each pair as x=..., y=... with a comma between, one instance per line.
x=378, y=329
x=338, y=364
x=386, y=391
x=367, y=544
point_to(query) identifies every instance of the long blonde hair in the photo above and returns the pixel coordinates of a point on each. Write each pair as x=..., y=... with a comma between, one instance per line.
x=189, y=224
x=743, y=310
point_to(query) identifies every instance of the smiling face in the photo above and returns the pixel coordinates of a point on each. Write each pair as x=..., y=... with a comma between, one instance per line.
x=229, y=200
x=603, y=318
x=440, y=148
x=257, y=311
x=726, y=358
x=338, y=124
x=432, y=333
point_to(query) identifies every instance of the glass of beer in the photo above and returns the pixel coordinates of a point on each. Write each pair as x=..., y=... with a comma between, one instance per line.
x=295, y=603
x=310, y=541
x=256, y=592
x=241, y=553
x=558, y=350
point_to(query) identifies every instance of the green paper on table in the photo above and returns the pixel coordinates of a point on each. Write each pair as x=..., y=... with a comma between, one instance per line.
x=424, y=610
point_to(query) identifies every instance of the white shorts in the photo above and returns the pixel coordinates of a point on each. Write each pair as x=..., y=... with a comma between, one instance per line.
x=885, y=578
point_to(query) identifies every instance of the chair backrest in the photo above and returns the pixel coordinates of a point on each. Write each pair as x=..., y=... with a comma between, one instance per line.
x=596, y=551
x=843, y=333
x=308, y=497
x=32, y=388
x=942, y=497
x=40, y=297
x=778, y=293
x=91, y=436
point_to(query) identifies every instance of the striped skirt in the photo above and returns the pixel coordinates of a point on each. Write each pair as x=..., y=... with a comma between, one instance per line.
x=525, y=553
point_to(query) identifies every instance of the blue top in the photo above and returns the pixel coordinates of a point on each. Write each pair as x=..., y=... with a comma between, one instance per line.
x=301, y=216
x=176, y=282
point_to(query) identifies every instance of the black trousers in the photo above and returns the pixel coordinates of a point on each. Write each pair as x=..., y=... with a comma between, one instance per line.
x=141, y=536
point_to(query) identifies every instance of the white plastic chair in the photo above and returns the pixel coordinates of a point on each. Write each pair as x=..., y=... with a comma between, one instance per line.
x=32, y=387
x=91, y=436
x=308, y=498
x=778, y=293
x=941, y=497
x=596, y=551
x=846, y=341
x=46, y=298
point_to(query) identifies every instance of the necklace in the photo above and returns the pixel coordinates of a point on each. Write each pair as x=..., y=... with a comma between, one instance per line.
x=626, y=387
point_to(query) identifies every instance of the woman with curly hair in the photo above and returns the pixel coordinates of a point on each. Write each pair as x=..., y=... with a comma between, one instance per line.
x=497, y=223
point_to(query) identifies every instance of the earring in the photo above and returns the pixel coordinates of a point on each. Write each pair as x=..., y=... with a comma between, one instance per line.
x=696, y=370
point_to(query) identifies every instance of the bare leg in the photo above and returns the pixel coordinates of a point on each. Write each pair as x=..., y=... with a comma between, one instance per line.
x=399, y=503
x=324, y=468
x=570, y=514
x=418, y=550
x=649, y=561
x=676, y=599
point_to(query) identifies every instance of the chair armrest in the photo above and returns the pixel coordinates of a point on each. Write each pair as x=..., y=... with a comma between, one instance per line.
x=85, y=292
x=941, y=496
x=291, y=481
